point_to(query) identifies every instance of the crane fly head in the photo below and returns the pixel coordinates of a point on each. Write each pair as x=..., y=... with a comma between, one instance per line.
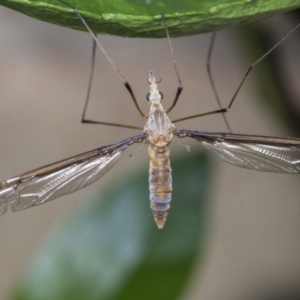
x=154, y=96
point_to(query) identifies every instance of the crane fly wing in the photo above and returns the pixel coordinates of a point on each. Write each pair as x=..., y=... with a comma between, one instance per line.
x=43, y=188
x=260, y=153
x=259, y=157
x=64, y=177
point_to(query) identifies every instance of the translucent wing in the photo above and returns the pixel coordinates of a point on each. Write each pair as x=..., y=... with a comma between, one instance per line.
x=260, y=153
x=64, y=177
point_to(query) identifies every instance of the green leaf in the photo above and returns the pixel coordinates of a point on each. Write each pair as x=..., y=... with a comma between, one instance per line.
x=142, y=18
x=113, y=249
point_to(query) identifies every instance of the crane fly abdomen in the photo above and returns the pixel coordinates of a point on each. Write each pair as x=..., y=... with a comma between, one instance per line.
x=160, y=184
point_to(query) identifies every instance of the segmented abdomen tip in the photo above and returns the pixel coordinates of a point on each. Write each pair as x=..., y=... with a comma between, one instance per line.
x=160, y=218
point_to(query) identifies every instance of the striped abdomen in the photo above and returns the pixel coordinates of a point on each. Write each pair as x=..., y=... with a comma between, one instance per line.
x=160, y=184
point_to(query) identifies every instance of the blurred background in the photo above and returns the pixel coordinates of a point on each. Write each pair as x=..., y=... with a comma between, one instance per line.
x=253, y=243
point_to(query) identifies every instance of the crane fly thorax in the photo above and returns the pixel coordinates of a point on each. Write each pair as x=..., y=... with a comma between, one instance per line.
x=159, y=129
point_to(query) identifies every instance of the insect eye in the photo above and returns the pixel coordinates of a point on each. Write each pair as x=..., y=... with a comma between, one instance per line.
x=161, y=95
x=148, y=97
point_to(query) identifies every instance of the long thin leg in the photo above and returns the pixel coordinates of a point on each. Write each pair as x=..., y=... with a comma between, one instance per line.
x=83, y=119
x=180, y=86
x=212, y=83
x=90, y=82
x=260, y=59
x=126, y=84
x=224, y=110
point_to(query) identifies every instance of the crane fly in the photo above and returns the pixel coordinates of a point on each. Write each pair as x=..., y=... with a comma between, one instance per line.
x=255, y=152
